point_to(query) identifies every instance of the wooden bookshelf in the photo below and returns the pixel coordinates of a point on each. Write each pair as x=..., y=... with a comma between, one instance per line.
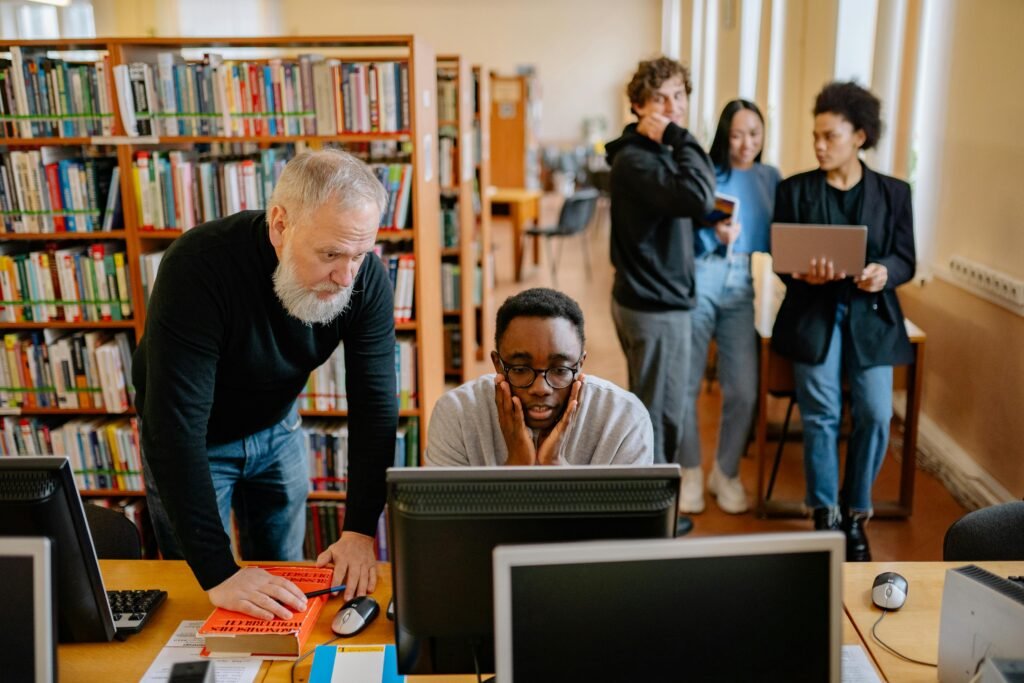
x=485, y=257
x=420, y=136
x=458, y=127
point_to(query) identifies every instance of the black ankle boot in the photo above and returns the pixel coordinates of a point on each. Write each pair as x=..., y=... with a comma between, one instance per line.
x=857, y=549
x=825, y=519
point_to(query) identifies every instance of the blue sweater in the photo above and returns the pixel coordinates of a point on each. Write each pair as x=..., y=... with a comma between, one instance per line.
x=755, y=188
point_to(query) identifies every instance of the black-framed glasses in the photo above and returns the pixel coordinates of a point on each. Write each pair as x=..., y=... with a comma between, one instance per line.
x=523, y=376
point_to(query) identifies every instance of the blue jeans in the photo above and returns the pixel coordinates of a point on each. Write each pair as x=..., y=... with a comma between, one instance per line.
x=725, y=311
x=265, y=477
x=819, y=395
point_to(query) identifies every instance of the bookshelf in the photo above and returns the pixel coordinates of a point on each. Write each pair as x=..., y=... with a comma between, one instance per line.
x=458, y=230
x=222, y=130
x=485, y=308
x=515, y=153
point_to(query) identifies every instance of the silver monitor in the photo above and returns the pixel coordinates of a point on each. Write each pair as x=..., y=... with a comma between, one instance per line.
x=763, y=607
x=28, y=627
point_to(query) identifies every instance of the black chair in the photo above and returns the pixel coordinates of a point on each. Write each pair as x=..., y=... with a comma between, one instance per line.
x=577, y=211
x=994, y=533
x=113, y=534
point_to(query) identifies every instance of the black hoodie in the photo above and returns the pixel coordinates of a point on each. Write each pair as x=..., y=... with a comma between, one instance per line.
x=657, y=189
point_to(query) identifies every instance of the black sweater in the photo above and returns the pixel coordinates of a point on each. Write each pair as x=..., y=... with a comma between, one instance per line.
x=657, y=189
x=221, y=359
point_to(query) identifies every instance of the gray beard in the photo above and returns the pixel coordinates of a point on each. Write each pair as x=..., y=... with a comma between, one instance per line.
x=303, y=303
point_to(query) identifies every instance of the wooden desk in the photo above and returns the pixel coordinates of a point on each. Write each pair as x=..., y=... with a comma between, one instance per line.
x=523, y=205
x=776, y=377
x=913, y=629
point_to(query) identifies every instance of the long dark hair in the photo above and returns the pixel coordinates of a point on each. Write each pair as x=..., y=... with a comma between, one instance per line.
x=720, y=146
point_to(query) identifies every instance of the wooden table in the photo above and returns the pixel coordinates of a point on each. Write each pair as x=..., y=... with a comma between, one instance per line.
x=777, y=378
x=913, y=629
x=523, y=205
x=129, y=660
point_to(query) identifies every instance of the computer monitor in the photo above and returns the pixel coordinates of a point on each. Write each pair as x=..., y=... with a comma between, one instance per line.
x=444, y=523
x=38, y=498
x=763, y=607
x=29, y=651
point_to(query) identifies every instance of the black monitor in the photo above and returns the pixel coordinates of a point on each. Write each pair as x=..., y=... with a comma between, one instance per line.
x=38, y=498
x=764, y=607
x=444, y=523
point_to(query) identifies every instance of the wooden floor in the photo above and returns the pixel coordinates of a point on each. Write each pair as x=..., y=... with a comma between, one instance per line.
x=915, y=539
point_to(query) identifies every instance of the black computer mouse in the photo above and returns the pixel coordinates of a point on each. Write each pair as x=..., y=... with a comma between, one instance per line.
x=889, y=591
x=355, y=615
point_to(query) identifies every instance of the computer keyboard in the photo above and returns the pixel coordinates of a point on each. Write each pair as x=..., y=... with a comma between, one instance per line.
x=132, y=608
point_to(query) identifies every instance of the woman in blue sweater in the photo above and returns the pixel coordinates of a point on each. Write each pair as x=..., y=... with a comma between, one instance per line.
x=725, y=305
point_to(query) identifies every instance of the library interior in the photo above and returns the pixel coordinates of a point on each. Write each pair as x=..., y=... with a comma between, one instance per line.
x=465, y=340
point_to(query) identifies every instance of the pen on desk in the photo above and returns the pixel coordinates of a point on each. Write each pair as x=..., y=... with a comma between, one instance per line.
x=325, y=591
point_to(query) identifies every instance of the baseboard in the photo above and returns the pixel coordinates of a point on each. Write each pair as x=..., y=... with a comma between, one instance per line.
x=943, y=458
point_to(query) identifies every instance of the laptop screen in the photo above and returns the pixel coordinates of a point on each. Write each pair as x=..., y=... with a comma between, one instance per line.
x=618, y=615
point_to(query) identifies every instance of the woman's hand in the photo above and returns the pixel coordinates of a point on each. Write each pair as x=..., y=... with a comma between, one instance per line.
x=872, y=278
x=727, y=231
x=820, y=272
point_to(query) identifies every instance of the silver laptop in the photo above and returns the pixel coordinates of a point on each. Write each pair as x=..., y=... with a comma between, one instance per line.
x=764, y=607
x=795, y=244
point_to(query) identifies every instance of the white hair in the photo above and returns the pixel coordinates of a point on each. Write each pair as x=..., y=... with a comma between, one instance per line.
x=315, y=178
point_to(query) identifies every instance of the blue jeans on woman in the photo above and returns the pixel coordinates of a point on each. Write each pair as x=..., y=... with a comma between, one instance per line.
x=265, y=477
x=819, y=395
x=725, y=311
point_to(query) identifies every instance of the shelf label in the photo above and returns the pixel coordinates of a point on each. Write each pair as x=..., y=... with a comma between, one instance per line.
x=428, y=157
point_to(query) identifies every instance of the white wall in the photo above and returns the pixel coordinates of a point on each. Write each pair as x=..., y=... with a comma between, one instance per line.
x=584, y=50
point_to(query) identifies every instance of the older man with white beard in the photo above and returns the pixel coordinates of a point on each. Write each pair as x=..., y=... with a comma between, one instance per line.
x=243, y=309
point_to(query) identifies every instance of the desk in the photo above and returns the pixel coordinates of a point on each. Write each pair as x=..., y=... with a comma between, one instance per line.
x=129, y=660
x=523, y=205
x=913, y=629
x=776, y=377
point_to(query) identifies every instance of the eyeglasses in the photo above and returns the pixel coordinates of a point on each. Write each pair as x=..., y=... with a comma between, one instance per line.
x=523, y=376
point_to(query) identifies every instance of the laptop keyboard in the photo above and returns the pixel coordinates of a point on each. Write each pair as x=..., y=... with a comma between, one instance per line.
x=132, y=608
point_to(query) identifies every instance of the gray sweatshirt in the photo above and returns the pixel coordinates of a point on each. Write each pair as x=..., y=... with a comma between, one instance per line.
x=611, y=427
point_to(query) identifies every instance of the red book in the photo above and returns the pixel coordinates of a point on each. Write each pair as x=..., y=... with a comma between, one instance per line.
x=255, y=81
x=56, y=205
x=227, y=632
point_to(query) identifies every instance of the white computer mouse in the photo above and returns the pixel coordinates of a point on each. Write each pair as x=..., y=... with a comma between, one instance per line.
x=355, y=615
x=889, y=591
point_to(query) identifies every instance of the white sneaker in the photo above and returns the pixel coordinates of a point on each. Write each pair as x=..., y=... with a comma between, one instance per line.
x=691, y=491
x=729, y=493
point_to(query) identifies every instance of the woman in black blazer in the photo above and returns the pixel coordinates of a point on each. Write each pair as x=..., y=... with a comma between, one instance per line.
x=833, y=324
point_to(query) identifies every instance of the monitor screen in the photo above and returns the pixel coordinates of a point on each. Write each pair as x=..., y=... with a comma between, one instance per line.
x=444, y=523
x=38, y=498
x=764, y=607
x=26, y=592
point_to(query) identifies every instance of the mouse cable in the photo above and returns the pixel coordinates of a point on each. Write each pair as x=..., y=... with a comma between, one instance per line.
x=892, y=650
x=308, y=653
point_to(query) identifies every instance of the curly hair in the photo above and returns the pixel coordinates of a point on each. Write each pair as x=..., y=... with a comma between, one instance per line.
x=855, y=104
x=539, y=302
x=651, y=74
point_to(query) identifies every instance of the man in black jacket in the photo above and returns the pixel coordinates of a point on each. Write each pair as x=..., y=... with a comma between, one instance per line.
x=661, y=180
x=243, y=309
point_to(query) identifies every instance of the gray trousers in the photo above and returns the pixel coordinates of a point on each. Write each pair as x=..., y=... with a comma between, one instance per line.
x=657, y=348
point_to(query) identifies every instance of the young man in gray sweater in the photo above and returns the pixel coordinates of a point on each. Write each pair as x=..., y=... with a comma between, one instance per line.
x=539, y=408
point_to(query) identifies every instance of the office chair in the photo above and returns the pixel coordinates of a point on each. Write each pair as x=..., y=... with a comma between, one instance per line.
x=576, y=213
x=993, y=533
x=113, y=534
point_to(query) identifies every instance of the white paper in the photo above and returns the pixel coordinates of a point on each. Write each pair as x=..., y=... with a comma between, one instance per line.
x=358, y=664
x=855, y=666
x=184, y=646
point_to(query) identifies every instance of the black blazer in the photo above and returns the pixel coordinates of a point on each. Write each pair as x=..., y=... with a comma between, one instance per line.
x=803, y=328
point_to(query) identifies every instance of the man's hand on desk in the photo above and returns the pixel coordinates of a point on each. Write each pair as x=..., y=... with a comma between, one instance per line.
x=253, y=591
x=355, y=563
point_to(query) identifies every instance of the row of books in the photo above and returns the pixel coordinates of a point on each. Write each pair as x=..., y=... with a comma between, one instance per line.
x=327, y=450
x=179, y=190
x=324, y=521
x=42, y=96
x=104, y=453
x=52, y=189
x=311, y=95
x=447, y=96
x=449, y=222
x=78, y=370
x=452, y=347
x=401, y=267
x=71, y=284
x=451, y=286
x=326, y=389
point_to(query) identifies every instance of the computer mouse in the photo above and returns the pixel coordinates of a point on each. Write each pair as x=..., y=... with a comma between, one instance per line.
x=889, y=591
x=355, y=615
